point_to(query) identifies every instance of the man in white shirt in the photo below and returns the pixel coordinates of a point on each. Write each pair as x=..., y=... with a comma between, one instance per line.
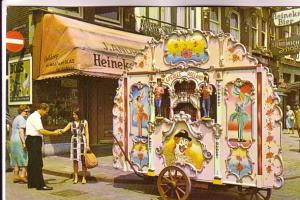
x=34, y=133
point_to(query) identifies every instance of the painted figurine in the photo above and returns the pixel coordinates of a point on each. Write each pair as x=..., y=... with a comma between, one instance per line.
x=140, y=114
x=206, y=93
x=158, y=92
x=241, y=116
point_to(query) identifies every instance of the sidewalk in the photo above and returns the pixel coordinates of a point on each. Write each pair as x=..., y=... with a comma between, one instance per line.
x=62, y=165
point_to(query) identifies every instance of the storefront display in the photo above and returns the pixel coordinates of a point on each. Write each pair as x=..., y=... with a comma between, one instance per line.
x=62, y=96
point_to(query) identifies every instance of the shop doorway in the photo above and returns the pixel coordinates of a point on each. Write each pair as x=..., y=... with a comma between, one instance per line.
x=100, y=102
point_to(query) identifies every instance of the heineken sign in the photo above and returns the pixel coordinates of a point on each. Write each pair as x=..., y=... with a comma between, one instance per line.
x=286, y=17
x=286, y=46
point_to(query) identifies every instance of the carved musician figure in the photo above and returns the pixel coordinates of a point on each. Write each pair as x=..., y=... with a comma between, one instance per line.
x=158, y=92
x=206, y=92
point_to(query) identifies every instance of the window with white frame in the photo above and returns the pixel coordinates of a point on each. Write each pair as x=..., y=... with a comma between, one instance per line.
x=139, y=12
x=235, y=25
x=254, y=31
x=166, y=14
x=198, y=17
x=287, y=31
x=215, y=20
x=272, y=33
x=181, y=16
x=109, y=15
x=153, y=13
x=70, y=11
x=264, y=39
x=296, y=32
x=192, y=17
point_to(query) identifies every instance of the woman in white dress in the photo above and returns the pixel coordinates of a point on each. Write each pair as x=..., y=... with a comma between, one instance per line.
x=289, y=119
x=79, y=143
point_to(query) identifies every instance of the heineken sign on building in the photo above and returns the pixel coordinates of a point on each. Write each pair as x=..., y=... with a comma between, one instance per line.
x=286, y=17
x=286, y=46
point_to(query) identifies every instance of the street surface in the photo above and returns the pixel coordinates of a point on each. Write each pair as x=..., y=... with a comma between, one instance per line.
x=65, y=189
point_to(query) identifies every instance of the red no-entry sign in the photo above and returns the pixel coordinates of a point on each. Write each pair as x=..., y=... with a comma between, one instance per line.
x=14, y=41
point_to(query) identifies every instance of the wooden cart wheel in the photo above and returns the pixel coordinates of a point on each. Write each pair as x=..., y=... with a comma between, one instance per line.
x=173, y=183
x=264, y=194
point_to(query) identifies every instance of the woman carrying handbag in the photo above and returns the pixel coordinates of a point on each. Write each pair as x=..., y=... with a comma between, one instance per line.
x=79, y=143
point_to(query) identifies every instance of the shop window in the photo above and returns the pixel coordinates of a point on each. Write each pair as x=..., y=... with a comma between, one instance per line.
x=70, y=11
x=264, y=29
x=254, y=31
x=109, y=15
x=62, y=96
x=235, y=25
x=215, y=20
x=286, y=77
x=297, y=78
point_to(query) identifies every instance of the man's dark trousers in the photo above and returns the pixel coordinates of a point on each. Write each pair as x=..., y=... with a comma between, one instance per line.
x=35, y=162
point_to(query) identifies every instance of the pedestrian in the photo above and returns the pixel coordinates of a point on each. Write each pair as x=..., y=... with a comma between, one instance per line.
x=34, y=137
x=297, y=114
x=7, y=140
x=79, y=143
x=289, y=119
x=18, y=153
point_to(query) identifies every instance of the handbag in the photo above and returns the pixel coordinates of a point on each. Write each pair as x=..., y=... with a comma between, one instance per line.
x=90, y=160
x=292, y=117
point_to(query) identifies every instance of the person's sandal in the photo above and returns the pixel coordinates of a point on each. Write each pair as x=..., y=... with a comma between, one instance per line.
x=23, y=180
x=75, y=181
x=83, y=181
x=17, y=179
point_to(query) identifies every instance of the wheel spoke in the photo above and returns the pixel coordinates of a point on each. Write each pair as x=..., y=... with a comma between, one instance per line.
x=170, y=174
x=181, y=190
x=167, y=179
x=177, y=194
x=176, y=174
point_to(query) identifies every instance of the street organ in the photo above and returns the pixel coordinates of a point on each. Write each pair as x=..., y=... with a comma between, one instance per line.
x=196, y=107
